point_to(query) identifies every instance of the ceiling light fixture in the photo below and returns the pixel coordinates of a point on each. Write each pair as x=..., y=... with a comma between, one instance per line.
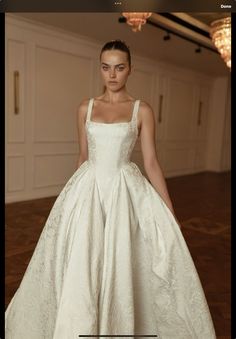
x=136, y=19
x=220, y=32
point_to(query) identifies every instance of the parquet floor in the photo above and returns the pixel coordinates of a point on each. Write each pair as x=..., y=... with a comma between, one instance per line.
x=202, y=205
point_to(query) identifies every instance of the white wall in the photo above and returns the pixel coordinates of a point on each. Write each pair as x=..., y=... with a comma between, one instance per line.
x=57, y=71
x=218, y=146
x=226, y=146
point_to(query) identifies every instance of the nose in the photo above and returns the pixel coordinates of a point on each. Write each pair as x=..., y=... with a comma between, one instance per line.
x=112, y=73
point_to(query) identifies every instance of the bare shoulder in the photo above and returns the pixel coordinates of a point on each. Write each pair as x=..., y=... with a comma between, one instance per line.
x=145, y=110
x=83, y=108
x=83, y=105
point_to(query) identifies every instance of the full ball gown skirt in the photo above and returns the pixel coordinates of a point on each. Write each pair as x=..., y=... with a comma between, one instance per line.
x=111, y=259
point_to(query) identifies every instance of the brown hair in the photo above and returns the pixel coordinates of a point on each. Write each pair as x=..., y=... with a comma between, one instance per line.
x=117, y=44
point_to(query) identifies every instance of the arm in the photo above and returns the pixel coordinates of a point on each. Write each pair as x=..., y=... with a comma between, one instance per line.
x=148, y=147
x=82, y=137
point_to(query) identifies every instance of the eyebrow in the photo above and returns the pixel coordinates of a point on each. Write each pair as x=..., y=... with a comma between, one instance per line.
x=103, y=63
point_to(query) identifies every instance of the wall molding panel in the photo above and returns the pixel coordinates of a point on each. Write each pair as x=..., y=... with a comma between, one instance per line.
x=57, y=70
x=52, y=169
x=15, y=173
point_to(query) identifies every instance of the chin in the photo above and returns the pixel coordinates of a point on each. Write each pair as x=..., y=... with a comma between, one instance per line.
x=114, y=87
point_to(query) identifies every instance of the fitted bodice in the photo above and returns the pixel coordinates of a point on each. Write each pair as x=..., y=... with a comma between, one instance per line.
x=110, y=145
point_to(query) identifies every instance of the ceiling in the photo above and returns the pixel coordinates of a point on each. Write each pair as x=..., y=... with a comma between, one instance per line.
x=101, y=27
x=207, y=18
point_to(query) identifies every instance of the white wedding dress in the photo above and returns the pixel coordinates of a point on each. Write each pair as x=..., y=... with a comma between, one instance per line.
x=111, y=259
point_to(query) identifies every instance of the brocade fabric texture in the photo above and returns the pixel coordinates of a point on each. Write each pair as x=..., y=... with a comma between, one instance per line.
x=111, y=259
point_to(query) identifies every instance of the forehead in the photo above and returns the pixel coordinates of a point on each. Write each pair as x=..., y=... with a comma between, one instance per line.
x=114, y=56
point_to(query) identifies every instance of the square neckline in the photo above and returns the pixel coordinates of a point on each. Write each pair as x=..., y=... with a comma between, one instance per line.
x=111, y=123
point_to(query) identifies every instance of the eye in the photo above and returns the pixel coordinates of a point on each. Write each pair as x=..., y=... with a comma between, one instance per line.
x=105, y=68
x=121, y=68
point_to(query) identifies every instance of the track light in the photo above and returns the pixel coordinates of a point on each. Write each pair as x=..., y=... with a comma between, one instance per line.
x=167, y=36
x=198, y=49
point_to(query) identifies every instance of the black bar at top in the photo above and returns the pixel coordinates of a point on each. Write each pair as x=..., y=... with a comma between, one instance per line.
x=117, y=5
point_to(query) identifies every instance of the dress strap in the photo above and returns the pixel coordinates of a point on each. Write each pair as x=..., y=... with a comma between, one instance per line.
x=90, y=106
x=135, y=110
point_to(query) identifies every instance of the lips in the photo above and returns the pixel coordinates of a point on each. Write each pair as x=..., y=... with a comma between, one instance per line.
x=113, y=82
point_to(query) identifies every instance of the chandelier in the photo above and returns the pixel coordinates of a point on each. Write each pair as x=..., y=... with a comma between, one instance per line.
x=220, y=33
x=136, y=19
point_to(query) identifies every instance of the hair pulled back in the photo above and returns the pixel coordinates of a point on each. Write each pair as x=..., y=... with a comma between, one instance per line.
x=117, y=44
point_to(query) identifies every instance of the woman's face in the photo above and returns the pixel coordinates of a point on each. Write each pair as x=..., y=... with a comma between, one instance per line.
x=114, y=69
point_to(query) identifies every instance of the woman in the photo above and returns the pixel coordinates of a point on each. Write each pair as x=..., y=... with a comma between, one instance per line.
x=111, y=259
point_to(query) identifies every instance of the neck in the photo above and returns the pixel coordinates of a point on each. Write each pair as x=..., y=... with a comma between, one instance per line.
x=114, y=97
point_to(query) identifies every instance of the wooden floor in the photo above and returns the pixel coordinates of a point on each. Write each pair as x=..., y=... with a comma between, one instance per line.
x=202, y=205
